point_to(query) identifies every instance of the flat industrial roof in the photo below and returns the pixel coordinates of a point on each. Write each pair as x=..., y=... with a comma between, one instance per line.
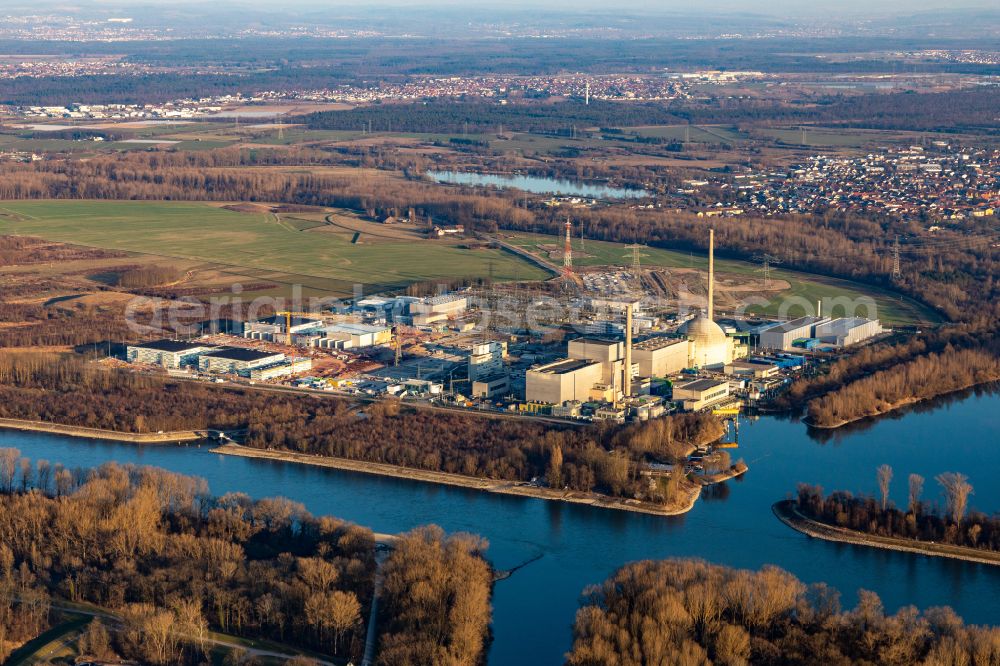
x=793, y=324
x=241, y=354
x=174, y=346
x=357, y=329
x=657, y=343
x=565, y=366
x=700, y=385
x=279, y=320
x=598, y=341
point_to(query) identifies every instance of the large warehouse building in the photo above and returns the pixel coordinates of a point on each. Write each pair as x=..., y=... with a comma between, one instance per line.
x=352, y=336
x=438, y=308
x=659, y=357
x=561, y=381
x=166, y=353
x=781, y=336
x=236, y=360
x=848, y=331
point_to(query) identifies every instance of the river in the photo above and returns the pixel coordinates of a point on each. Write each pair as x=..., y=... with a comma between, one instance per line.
x=538, y=185
x=581, y=545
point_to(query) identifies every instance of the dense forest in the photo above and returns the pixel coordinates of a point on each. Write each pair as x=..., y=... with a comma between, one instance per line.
x=692, y=612
x=444, y=584
x=920, y=520
x=602, y=458
x=966, y=109
x=921, y=378
x=173, y=562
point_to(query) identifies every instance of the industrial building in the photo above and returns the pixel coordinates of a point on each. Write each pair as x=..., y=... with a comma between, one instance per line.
x=660, y=357
x=783, y=335
x=752, y=369
x=491, y=386
x=352, y=336
x=700, y=393
x=486, y=359
x=170, y=354
x=567, y=379
x=438, y=308
x=236, y=360
x=609, y=353
x=274, y=328
x=848, y=331
x=291, y=366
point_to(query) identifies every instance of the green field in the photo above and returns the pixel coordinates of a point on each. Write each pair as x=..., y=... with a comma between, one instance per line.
x=256, y=246
x=892, y=308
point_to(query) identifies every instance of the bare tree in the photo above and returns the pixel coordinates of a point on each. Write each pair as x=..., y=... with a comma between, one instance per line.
x=916, y=489
x=956, y=490
x=8, y=468
x=884, y=479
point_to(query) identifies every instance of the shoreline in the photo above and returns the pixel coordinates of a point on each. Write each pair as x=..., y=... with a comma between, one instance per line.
x=172, y=437
x=462, y=481
x=787, y=512
x=896, y=406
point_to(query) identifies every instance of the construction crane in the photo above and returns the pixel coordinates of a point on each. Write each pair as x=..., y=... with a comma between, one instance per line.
x=397, y=341
x=288, y=314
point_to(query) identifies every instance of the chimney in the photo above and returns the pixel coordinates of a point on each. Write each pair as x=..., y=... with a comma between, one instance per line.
x=711, y=274
x=627, y=388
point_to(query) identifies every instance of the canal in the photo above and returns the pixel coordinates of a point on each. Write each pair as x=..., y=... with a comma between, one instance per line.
x=581, y=545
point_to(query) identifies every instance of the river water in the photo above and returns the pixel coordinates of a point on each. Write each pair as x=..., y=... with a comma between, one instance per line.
x=580, y=545
x=538, y=185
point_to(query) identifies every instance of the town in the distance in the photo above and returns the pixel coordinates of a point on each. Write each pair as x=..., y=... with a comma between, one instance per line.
x=415, y=334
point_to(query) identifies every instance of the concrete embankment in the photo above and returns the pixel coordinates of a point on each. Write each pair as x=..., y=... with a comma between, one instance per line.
x=488, y=485
x=788, y=513
x=172, y=437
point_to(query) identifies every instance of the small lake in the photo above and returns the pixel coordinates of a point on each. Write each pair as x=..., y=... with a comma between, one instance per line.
x=581, y=545
x=538, y=185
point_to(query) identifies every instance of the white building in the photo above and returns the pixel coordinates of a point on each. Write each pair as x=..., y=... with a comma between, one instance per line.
x=166, y=353
x=486, y=359
x=236, y=360
x=848, y=330
x=781, y=336
x=352, y=336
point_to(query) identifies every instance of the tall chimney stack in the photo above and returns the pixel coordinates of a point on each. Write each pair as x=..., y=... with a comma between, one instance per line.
x=627, y=388
x=711, y=274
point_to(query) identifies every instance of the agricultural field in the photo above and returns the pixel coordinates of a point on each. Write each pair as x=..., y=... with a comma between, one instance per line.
x=734, y=278
x=263, y=247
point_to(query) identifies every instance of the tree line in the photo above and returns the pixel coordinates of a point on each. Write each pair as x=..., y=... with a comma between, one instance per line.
x=603, y=458
x=921, y=520
x=692, y=612
x=913, y=380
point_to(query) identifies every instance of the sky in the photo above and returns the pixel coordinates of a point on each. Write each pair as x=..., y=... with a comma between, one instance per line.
x=781, y=8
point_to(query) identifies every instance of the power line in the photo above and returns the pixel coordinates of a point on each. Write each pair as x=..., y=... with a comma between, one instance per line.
x=767, y=261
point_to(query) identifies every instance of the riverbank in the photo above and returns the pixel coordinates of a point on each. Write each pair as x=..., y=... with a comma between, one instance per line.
x=899, y=404
x=683, y=505
x=788, y=513
x=173, y=437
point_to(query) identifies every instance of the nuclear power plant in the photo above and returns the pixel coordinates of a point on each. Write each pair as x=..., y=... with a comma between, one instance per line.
x=619, y=371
